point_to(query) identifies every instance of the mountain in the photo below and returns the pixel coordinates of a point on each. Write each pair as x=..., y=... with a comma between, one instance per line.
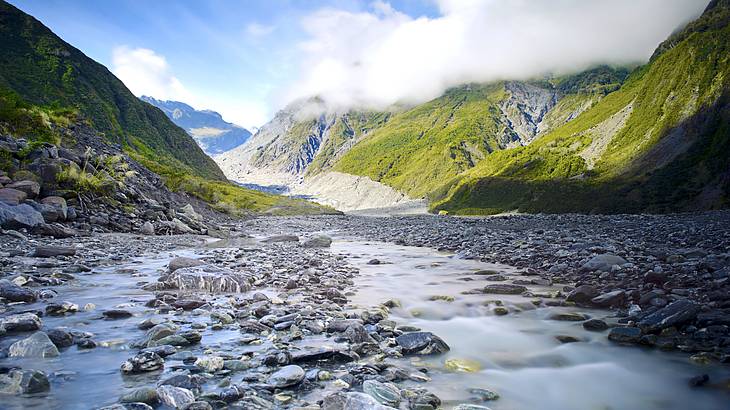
x=210, y=131
x=43, y=69
x=404, y=152
x=660, y=143
x=69, y=128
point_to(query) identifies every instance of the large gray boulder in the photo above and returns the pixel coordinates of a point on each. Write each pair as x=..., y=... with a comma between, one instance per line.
x=31, y=188
x=19, y=381
x=37, y=345
x=19, y=216
x=287, y=376
x=318, y=242
x=421, y=343
x=58, y=205
x=21, y=322
x=12, y=196
x=183, y=262
x=674, y=314
x=14, y=293
x=603, y=262
x=209, y=278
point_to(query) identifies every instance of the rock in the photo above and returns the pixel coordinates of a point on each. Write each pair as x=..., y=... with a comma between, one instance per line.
x=31, y=188
x=143, y=362
x=281, y=238
x=60, y=337
x=18, y=381
x=582, y=294
x=595, y=325
x=603, y=262
x=58, y=205
x=504, y=289
x=182, y=262
x=188, y=304
x=53, y=251
x=117, y=314
x=211, y=279
x=175, y=397
x=422, y=343
x=147, y=228
x=625, y=334
x=37, y=345
x=210, y=364
x=385, y=393
x=287, y=376
x=147, y=395
x=182, y=227
x=12, y=196
x=14, y=293
x=21, y=216
x=22, y=322
x=614, y=298
x=568, y=316
x=484, y=394
x=318, y=242
x=462, y=365
x=60, y=309
x=352, y=401
x=55, y=230
x=466, y=406
x=676, y=313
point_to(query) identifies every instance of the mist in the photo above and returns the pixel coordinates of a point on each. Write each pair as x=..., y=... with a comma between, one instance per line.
x=381, y=57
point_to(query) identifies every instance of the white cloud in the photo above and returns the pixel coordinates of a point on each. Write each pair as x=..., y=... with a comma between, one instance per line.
x=258, y=30
x=378, y=58
x=145, y=72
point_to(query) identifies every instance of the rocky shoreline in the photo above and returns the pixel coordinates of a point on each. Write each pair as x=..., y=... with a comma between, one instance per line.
x=280, y=298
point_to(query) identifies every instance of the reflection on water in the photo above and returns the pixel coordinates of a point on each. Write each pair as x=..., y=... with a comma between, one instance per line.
x=518, y=354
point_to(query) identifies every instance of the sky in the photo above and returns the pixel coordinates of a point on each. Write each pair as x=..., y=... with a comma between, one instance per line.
x=247, y=59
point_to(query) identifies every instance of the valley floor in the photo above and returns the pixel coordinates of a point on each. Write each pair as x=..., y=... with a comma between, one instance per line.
x=413, y=311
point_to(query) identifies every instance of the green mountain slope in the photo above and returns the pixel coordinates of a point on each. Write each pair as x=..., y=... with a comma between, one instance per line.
x=44, y=70
x=659, y=144
x=421, y=148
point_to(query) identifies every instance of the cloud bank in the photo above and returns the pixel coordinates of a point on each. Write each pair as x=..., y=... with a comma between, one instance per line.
x=145, y=72
x=382, y=56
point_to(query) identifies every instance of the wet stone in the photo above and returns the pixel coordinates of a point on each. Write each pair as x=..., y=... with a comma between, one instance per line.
x=625, y=334
x=22, y=322
x=385, y=393
x=53, y=251
x=14, y=293
x=286, y=376
x=143, y=362
x=352, y=401
x=595, y=325
x=23, y=382
x=117, y=314
x=176, y=397
x=37, y=345
x=422, y=343
x=504, y=289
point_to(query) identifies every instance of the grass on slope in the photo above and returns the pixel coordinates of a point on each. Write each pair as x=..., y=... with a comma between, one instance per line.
x=681, y=88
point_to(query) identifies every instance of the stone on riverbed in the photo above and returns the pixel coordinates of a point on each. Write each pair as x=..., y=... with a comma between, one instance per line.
x=504, y=289
x=603, y=263
x=281, y=238
x=582, y=294
x=462, y=365
x=19, y=216
x=676, y=313
x=422, y=343
x=22, y=322
x=175, y=397
x=182, y=262
x=287, y=376
x=595, y=325
x=143, y=362
x=14, y=293
x=61, y=337
x=147, y=395
x=53, y=251
x=210, y=364
x=625, y=334
x=210, y=278
x=385, y=393
x=318, y=242
x=352, y=401
x=568, y=317
x=19, y=381
x=117, y=314
x=609, y=299
x=37, y=345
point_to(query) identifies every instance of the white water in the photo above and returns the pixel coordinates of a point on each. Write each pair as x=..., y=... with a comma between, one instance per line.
x=518, y=353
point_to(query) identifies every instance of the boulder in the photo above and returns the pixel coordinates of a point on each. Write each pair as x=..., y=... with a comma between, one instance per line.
x=14, y=293
x=352, y=401
x=147, y=228
x=22, y=322
x=12, y=196
x=181, y=227
x=175, y=397
x=58, y=204
x=31, y=188
x=19, y=381
x=182, y=262
x=583, y=294
x=53, y=251
x=610, y=299
x=603, y=262
x=55, y=230
x=281, y=238
x=21, y=216
x=61, y=337
x=625, y=334
x=287, y=376
x=37, y=345
x=210, y=364
x=385, y=393
x=674, y=314
x=143, y=362
x=209, y=278
x=595, y=325
x=504, y=289
x=421, y=343
x=318, y=242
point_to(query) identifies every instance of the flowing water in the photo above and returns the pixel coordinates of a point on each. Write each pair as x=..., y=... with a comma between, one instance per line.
x=517, y=354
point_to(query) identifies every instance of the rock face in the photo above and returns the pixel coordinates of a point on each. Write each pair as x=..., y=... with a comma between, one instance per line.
x=287, y=376
x=37, y=345
x=23, y=382
x=674, y=314
x=19, y=216
x=210, y=278
x=421, y=343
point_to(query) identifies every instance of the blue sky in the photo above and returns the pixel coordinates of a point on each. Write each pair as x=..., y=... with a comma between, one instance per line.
x=231, y=56
x=246, y=59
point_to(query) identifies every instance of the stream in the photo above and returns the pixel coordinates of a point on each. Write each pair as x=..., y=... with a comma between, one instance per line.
x=516, y=355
